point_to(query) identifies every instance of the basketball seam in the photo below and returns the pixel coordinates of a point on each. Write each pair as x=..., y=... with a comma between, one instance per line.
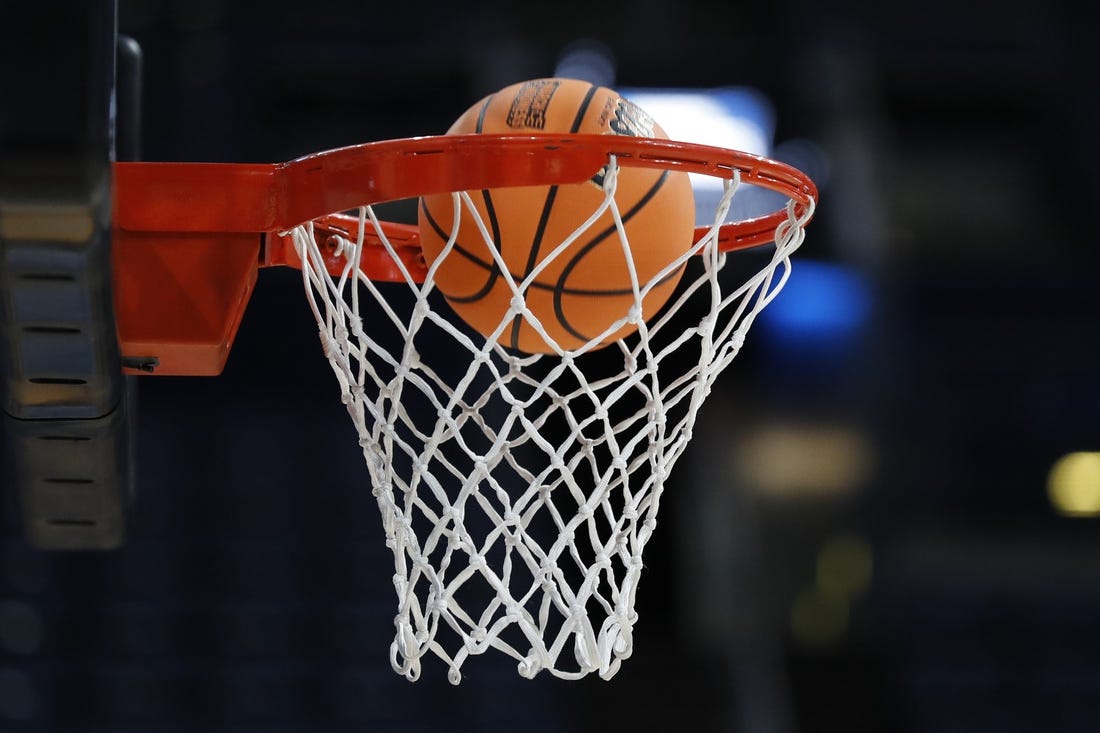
x=494, y=226
x=490, y=210
x=559, y=287
x=547, y=208
x=491, y=266
x=481, y=113
x=583, y=109
x=494, y=271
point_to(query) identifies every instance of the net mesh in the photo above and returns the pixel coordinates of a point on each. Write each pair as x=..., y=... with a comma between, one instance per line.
x=517, y=491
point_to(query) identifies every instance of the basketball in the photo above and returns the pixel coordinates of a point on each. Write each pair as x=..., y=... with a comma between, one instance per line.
x=583, y=291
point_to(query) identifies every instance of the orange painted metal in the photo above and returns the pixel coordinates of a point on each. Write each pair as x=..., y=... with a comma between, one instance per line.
x=190, y=237
x=180, y=297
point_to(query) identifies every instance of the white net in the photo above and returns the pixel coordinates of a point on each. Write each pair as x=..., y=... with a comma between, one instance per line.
x=518, y=491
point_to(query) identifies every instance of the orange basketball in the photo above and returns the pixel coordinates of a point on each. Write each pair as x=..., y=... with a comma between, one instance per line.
x=583, y=291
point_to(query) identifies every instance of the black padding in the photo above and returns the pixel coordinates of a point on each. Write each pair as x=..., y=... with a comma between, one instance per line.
x=66, y=413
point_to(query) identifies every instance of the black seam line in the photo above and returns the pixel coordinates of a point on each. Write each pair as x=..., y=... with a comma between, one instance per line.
x=481, y=114
x=494, y=271
x=490, y=210
x=492, y=267
x=559, y=309
x=583, y=109
x=547, y=207
x=494, y=225
x=532, y=255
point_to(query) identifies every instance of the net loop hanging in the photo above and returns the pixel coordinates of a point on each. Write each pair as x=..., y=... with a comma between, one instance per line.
x=518, y=491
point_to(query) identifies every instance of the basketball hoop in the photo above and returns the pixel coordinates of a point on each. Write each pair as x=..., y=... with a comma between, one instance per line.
x=517, y=491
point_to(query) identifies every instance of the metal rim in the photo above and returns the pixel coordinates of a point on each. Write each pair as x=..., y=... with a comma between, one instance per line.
x=189, y=238
x=228, y=197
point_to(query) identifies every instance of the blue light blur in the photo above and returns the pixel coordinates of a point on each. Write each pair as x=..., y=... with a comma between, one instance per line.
x=822, y=304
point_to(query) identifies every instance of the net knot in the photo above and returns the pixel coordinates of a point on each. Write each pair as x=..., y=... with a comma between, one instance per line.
x=706, y=327
x=517, y=305
x=634, y=315
x=477, y=641
x=529, y=667
x=357, y=328
x=737, y=340
x=328, y=344
x=546, y=573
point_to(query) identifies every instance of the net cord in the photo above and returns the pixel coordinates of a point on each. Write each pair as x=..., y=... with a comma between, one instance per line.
x=563, y=603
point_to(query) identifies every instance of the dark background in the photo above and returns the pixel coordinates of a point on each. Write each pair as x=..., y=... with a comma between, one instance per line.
x=958, y=144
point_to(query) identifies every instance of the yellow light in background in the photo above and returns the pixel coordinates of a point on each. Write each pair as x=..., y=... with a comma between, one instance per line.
x=844, y=566
x=1074, y=485
x=790, y=460
x=820, y=614
x=818, y=619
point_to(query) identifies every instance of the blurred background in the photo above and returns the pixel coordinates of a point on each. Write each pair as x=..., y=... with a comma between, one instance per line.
x=886, y=521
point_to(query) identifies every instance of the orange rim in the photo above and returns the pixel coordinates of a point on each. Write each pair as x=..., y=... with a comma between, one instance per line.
x=189, y=237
